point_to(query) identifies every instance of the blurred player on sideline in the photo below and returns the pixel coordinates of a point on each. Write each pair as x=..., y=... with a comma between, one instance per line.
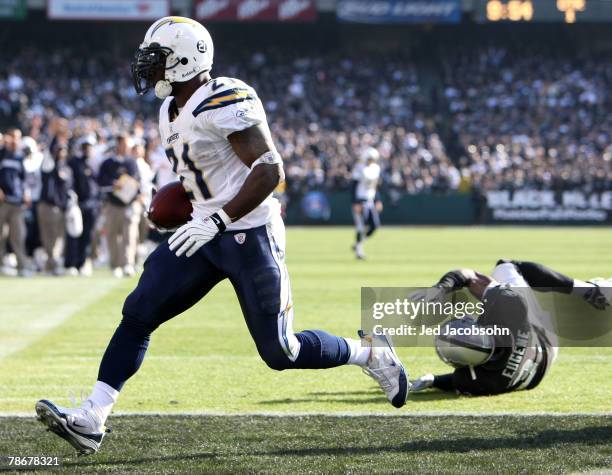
x=366, y=203
x=487, y=364
x=217, y=137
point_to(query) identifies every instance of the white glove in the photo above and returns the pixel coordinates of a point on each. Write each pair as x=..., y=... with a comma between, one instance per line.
x=424, y=382
x=192, y=236
x=431, y=294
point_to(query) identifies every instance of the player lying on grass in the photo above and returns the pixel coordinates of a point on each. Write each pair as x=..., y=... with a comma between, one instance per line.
x=219, y=143
x=487, y=365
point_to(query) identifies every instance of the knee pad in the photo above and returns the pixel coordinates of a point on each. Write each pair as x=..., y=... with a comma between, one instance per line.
x=137, y=316
x=266, y=283
x=133, y=306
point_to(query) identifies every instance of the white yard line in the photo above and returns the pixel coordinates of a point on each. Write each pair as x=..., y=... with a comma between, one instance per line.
x=20, y=330
x=340, y=414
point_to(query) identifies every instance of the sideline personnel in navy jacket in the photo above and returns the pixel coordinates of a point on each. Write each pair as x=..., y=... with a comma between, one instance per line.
x=122, y=214
x=13, y=196
x=56, y=185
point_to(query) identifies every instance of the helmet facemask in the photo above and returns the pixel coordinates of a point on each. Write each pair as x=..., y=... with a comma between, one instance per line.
x=149, y=67
x=464, y=350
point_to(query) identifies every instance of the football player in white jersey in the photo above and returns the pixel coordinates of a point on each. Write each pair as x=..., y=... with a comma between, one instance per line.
x=217, y=138
x=366, y=204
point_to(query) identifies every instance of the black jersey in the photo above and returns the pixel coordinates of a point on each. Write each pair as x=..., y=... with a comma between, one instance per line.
x=520, y=359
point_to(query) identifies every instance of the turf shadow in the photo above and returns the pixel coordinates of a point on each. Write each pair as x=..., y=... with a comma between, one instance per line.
x=431, y=396
x=345, y=393
x=374, y=396
x=355, y=400
x=545, y=439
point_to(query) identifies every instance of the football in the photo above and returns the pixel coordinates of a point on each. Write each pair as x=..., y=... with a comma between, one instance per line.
x=170, y=206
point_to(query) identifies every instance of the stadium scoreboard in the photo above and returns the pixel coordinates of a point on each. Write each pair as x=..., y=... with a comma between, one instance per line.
x=555, y=11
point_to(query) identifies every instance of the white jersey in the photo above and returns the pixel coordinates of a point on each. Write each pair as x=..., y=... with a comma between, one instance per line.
x=367, y=181
x=357, y=171
x=196, y=144
x=147, y=177
x=162, y=169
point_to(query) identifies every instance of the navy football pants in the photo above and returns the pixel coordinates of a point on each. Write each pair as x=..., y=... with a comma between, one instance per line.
x=253, y=260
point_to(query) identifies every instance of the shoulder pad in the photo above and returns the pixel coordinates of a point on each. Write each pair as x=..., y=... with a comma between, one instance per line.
x=225, y=98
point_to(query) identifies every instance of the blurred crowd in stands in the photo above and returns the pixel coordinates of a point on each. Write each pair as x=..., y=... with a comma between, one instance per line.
x=532, y=120
x=502, y=121
x=70, y=204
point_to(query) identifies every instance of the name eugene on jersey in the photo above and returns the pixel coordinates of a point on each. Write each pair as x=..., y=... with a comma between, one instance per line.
x=514, y=362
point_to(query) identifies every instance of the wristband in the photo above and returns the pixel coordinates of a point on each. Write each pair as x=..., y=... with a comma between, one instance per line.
x=221, y=219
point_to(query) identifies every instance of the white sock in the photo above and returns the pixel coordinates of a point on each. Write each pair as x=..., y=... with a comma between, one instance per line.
x=359, y=354
x=102, y=399
x=580, y=287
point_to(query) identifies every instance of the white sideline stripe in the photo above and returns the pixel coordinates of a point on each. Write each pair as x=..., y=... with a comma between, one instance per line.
x=33, y=329
x=339, y=414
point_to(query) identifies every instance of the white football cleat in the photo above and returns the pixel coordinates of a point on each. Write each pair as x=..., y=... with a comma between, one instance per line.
x=78, y=426
x=386, y=369
x=358, y=250
x=129, y=271
x=424, y=382
x=87, y=268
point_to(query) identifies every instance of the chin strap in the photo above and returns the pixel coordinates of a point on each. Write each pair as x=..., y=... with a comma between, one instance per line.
x=472, y=373
x=163, y=89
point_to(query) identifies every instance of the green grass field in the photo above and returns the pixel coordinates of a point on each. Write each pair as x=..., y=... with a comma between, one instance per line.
x=53, y=333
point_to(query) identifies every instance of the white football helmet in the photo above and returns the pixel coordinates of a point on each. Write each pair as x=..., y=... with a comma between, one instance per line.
x=464, y=350
x=179, y=47
x=370, y=154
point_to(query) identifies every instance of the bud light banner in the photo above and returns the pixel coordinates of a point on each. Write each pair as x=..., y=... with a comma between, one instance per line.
x=399, y=11
x=534, y=206
x=255, y=10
